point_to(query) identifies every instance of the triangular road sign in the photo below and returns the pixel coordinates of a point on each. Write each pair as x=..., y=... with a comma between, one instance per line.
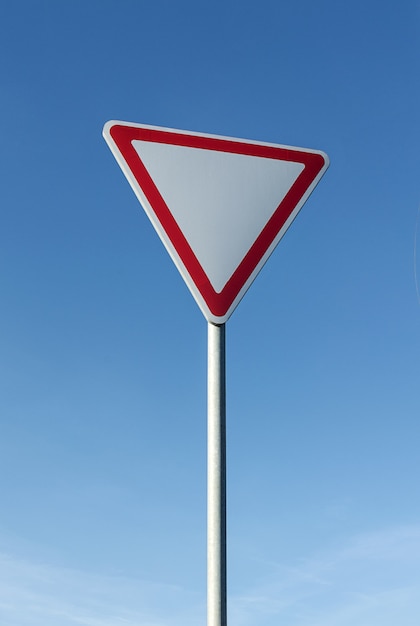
x=220, y=205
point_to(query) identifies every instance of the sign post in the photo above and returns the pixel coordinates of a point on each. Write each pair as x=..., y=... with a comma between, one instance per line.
x=220, y=206
x=216, y=476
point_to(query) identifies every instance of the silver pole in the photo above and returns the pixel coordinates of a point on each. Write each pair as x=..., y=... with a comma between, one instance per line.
x=216, y=477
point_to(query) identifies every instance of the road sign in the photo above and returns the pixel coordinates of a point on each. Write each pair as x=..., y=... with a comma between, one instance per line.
x=220, y=205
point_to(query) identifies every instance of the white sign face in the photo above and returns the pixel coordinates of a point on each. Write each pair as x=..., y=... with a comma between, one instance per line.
x=220, y=205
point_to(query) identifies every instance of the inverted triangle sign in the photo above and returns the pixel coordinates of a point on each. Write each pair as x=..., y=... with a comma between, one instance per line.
x=220, y=205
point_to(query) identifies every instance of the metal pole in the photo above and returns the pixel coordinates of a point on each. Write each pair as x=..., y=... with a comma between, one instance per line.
x=216, y=477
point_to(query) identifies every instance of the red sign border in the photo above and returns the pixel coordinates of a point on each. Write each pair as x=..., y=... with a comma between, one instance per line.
x=218, y=303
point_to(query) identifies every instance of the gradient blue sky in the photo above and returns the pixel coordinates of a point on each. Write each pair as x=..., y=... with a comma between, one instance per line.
x=103, y=350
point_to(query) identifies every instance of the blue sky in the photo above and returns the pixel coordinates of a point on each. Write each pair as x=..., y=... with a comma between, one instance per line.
x=103, y=349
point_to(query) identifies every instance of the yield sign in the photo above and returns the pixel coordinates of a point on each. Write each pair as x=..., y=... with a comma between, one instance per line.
x=220, y=205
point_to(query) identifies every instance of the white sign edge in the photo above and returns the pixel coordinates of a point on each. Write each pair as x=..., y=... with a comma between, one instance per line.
x=210, y=317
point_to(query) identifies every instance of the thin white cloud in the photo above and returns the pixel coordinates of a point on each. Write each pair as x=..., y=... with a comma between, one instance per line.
x=42, y=595
x=373, y=579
